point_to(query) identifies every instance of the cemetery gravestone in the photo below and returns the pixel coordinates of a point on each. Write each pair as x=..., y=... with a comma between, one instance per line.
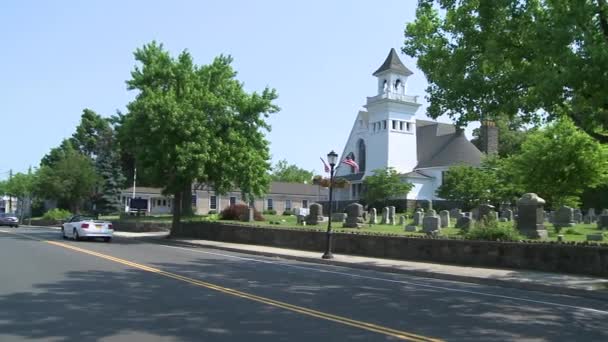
x=391, y=215
x=564, y=217
x=444, y=218
x=354, y=216
x=418, y=217
x=338, y=217
x=430, y=222
x=530, y=216
x=384, y=215
x=464, y=223
x=315, y=214
x=372, y=216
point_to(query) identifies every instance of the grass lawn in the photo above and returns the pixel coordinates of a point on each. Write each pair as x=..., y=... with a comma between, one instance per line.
x=577, y=233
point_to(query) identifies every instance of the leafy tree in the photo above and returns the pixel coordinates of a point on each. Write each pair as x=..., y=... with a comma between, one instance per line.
x=20, y=185
x=511, y=135
x=467, y=184
x=57, y=153
x=559, y=162
x=530, y=58
x=69, y=180
x=284, y=172
x=191, y=123
x=383, y=185
x=90, y=133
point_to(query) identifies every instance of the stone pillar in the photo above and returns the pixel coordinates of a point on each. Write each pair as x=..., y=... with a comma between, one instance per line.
x=530, y=220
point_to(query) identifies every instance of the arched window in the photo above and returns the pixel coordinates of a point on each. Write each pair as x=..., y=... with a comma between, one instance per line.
x=384, y=86
x=397, y=85
x=361, y=153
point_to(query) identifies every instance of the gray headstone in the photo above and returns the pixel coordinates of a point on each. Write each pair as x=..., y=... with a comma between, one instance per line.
x=604, y=212
x=384, y=215
x=602, y=222
x=391, y=215
x=507, y=214
x=418, y=216
x=564, y=217
x=354, y=216
x=595, y=237
x=474, y=214
x=464, y=222
x=315, y=214
x=503, y=219
x=578, y=217
x=373, y=216
x=430, y=224
x=431, y=212
x=444, y=218
x=530, y=217
x=591, y=213
x=401, y=220
x=456, y=212
x=484, y=210
x=301, y=219
x=338, y=217
x=587, y=219
x=410, y=228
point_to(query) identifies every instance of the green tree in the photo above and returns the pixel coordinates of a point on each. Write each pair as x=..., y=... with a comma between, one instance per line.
x=111, y=178
x=284, y=172
x=191, y=123
x=57, y=153
x=91, y=133
x=70, y=180
x=559, y=162
x=467, y=184
x=383, y=185
x=485, y=59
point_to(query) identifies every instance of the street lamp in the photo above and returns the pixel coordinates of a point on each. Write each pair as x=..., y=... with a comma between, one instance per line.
x=332, y=158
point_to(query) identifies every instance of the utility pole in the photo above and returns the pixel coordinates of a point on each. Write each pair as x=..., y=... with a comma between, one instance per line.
x=10, y=196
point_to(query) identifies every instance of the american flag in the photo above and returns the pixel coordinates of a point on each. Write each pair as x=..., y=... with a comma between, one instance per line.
x=351, y=163
x=325, y=165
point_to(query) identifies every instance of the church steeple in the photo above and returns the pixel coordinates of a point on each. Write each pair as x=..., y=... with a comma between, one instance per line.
x=393, y=63
x=392, y=75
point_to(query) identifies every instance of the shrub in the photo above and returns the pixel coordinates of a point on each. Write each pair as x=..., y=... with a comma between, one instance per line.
x=487, y=228
x=287, y=213
x=212, y=212
x=56, y=214
x=572, y=231
x=270, y=212
x=239, y=212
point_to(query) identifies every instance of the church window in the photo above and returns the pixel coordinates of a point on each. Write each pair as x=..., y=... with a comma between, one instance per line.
x=361, y=154
x=401, y=125
x=383, y=124
x=409, y=127
x=397, y=85
x=394, y=124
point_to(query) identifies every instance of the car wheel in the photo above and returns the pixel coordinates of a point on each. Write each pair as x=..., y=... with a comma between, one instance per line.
x=107, y=239
x=75, y=235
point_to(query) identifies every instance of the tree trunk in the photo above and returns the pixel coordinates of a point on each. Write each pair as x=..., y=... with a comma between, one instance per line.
x=177, y=212
x=186, y=200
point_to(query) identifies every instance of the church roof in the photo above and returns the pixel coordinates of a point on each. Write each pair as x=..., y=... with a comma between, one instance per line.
x=439, y=144
x=393, y=63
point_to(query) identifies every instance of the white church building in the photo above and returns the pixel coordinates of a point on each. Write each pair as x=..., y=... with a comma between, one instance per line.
x=387, y=134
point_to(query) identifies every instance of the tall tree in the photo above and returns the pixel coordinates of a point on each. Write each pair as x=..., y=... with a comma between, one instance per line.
x=536, y=59
x=191, y=123
x=70, y=180
x=285, y=172
x=90, y=133
x=57, y=153
x=383, y=185
x=467, y=184
x=559, y=162
x=111, y=178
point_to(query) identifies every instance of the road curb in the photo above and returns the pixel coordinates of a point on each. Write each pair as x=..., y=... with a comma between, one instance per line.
x=601, y=295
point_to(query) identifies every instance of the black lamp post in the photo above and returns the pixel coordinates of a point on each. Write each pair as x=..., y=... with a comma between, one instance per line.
x=332, y=159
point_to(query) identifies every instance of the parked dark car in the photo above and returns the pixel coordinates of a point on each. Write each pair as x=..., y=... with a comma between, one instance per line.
x=10, y=220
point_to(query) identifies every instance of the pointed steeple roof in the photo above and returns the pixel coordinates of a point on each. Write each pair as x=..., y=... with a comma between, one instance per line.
x=393, y=63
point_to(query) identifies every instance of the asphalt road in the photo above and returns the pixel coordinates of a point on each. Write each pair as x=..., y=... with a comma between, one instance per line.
x=128, y=290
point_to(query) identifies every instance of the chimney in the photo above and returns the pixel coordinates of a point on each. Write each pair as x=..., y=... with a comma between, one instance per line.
x=489, y=136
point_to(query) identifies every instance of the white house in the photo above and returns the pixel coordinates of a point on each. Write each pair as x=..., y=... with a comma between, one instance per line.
x=387, y=133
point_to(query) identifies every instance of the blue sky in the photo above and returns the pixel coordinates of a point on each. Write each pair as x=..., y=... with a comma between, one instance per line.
x=59, y=57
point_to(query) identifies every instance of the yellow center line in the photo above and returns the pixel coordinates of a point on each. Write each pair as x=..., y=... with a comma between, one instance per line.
x=403, y=335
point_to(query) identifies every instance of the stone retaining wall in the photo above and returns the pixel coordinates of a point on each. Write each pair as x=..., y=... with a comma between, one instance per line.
x=549, y=257
x=122, y=226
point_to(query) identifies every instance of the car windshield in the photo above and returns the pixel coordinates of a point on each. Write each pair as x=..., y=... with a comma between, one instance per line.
x=84, y=218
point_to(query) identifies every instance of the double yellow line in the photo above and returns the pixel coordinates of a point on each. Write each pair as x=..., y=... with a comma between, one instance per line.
x=403, y=335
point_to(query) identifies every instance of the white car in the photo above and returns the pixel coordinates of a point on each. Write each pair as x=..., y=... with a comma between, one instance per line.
x=82, y=227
